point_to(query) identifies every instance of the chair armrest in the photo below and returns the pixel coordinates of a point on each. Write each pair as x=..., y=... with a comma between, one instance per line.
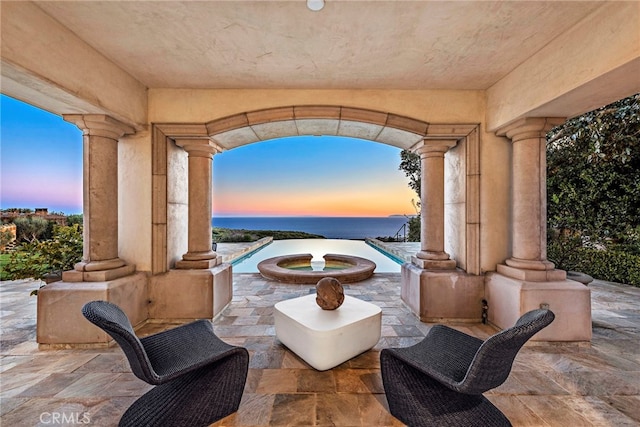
x=444, y=354
x=183, y=349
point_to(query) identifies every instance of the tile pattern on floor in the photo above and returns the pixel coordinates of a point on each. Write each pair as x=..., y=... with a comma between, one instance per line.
x=550, y=385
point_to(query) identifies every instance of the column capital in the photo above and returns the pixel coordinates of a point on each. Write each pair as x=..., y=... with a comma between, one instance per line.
x=437, y=147
x=99, y=125
x=530, y=127
x=198, y=147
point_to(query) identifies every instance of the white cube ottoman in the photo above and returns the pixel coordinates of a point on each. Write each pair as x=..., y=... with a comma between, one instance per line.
x=327, y=338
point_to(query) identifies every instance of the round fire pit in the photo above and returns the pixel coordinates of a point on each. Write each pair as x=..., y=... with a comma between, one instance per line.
x=300, y=269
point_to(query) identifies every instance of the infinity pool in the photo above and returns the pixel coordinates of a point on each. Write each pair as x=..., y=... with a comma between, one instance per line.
x=318, y=248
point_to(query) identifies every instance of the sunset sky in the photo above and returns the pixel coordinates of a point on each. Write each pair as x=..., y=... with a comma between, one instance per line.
x=41, y=166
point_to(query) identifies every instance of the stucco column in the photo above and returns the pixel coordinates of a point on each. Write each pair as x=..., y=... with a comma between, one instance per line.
x=100, y=205
x=528, y=280
x=432, y=254
x=199, y=253
x=529, y=196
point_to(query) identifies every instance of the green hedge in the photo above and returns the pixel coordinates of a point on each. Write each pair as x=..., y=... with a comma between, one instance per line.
x=612, y=266
x=229, y=235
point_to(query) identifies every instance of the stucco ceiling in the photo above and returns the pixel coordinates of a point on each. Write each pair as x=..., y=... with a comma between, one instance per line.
x=349, y=44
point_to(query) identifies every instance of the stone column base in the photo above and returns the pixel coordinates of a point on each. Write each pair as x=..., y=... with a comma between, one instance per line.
x=98, y=275
x=190, y=294
x=201, y=264
x=60, y=323
x=552, y=275
x=509, y=298
x=434, y=264
x=442, y=295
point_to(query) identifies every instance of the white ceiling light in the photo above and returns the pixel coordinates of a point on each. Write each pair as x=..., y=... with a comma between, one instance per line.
x=315, y=5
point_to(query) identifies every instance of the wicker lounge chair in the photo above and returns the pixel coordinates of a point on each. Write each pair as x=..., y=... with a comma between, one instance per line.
x=440, y=380
x=199, y=379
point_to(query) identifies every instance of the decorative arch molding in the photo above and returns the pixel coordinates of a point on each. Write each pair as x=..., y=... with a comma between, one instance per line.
x=270, y=123
x=261, y=125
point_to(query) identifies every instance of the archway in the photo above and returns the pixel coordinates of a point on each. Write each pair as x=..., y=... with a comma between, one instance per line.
x=459, y=172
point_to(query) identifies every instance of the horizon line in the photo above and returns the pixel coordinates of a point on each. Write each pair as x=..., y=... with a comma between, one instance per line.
x=242, y=215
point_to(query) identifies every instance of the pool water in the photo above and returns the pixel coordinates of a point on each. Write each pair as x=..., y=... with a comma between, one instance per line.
x=318, y=248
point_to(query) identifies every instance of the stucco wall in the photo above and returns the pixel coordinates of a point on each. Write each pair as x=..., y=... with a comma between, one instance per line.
x=444, y=106
x=177, y=203
x=495, y=199
x=134, y=200
x=455, y=204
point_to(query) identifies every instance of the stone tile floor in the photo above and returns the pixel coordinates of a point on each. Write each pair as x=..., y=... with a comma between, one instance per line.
x=550, y=385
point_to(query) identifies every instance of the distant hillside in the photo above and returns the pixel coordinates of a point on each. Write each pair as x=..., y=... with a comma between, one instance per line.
x=228, y=235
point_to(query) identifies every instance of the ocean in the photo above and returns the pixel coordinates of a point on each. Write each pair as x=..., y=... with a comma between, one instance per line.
x=329, y=227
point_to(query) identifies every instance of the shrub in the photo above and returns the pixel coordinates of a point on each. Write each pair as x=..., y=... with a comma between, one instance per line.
x=30, y=229
x=74, y=219
x=593, y=189
x=36, y=259
x=26, y=261
x=414, y=229
x=64, y=250
x=610, y=265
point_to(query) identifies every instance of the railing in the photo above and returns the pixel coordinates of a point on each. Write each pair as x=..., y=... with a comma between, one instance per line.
x=402, y=231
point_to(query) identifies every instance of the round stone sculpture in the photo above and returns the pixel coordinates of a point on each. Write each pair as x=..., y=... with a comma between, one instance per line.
x=329, y=293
